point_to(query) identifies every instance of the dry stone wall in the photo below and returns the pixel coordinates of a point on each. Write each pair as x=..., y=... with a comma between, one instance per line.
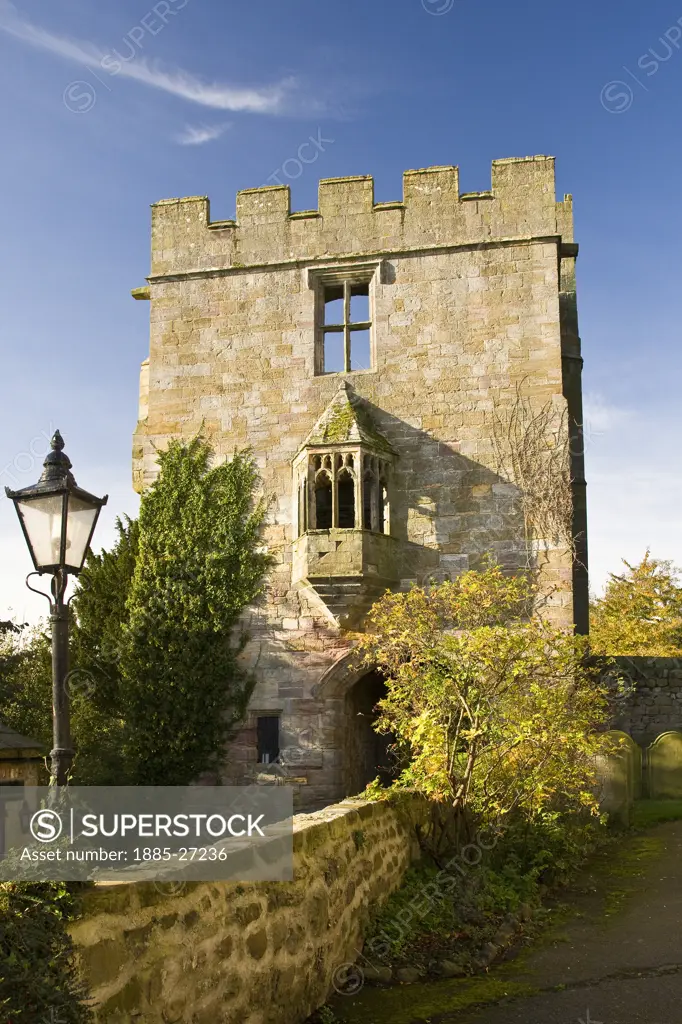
x=264, y=953
x=655, y=705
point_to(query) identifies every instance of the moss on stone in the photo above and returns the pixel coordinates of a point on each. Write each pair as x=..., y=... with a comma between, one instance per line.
x=336, y=424
x=340, y=424
x=404, y=1005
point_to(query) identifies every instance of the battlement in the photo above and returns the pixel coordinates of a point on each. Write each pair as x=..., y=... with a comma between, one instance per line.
x=432, y=213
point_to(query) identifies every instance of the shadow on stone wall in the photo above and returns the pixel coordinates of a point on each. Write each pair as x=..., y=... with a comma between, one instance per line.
x=460, y=509
x=447, y=513
x=655, y=704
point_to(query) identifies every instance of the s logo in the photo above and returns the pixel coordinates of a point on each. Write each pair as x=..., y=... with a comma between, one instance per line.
x=46, y=826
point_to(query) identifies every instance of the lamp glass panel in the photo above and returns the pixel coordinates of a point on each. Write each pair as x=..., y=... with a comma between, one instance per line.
x=42, y=518
x=79, y=525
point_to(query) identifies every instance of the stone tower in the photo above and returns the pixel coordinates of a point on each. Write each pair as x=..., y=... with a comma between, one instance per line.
x=360, y=350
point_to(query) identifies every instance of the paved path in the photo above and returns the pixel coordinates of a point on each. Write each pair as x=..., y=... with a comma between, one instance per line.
x=617, y=960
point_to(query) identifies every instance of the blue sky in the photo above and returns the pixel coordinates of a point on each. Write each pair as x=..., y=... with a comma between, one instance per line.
x=108, y=108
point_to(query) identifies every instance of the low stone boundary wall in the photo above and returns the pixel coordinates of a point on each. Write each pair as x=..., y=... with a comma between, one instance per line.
x=264, y=953
x=656, y=702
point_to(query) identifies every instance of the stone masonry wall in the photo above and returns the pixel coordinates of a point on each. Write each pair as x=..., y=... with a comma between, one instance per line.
x=655, y=706
x=262, y=953
x=472, y=297
x=30, y=772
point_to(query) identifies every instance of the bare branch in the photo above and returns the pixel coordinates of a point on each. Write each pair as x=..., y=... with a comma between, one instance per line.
x=532, y=450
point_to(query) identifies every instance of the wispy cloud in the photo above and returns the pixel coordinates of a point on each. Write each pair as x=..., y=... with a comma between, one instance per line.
x=198, y=134
x=220, y=96
x=600, y=415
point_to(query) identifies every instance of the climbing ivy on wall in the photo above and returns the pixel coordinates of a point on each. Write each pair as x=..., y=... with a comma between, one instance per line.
x=200, y=563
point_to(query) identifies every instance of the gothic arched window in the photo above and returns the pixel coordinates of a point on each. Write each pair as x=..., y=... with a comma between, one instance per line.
x=369, y=500
x=342, y=490
x=323, y=501
x=384, y=524
x=346, y=500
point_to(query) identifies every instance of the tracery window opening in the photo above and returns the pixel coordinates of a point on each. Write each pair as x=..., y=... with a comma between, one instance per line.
x=346, y=500
x=302, y=506
x=323, y=501
x=346, y=491
x=384, y=520
x=369, y=516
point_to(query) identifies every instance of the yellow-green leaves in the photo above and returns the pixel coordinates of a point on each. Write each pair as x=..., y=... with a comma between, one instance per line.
x=641, y=611
x=498, y=709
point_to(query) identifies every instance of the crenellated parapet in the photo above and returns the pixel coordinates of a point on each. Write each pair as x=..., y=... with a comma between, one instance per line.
x=433, y=213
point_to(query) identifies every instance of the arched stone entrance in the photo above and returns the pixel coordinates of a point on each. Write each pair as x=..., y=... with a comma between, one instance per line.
x=350, y=693
x=366, y=753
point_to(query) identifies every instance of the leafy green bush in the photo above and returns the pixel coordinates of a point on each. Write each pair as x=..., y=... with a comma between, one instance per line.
x=200, y=564
x=497, y=712
x=550, y=846
x=452, y=913
x=156, y=685
x=39, y=983
x=640, y=613
x=26, y=683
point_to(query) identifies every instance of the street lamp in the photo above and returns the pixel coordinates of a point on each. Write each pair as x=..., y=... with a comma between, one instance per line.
x=58, y=519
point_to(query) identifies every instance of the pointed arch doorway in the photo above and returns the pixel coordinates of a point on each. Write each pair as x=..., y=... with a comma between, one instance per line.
x=367, y=754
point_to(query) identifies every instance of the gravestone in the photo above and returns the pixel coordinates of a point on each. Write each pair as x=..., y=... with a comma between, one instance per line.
x=633, y=755
x=619, y=767
x=665, y=767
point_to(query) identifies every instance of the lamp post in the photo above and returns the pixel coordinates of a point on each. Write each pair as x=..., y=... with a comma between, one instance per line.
x=58, y=519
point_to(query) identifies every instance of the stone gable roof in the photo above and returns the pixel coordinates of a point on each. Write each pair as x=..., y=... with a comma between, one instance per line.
x=347, y=421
